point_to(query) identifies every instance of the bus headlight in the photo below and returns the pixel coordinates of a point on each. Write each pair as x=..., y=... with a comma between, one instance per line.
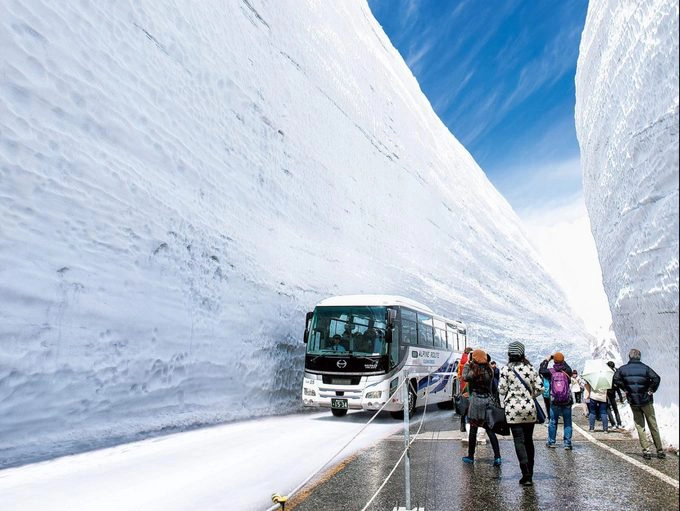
x=374, y=394
x=308, y=392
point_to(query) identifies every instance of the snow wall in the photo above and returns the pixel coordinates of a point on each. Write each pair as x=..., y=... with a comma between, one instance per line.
x=180, y=185
x=627, y=125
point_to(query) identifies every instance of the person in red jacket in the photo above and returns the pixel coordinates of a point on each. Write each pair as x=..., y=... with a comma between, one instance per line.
x=462, y=383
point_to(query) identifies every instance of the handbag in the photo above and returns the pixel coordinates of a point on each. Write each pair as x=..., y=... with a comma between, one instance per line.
x=495, y=419
x=461, y=404
x=540, y=414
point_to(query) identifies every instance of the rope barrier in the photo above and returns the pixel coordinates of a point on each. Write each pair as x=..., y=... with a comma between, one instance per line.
x=422, y=420
x=311, y=476
x=327, y=462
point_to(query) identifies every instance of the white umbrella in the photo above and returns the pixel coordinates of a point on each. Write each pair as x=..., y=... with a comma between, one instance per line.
x=598, y=374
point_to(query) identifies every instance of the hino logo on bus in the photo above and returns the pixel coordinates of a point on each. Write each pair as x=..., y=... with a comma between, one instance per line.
x=342, y=364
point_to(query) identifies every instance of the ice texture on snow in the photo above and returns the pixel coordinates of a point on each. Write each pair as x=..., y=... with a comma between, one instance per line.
x=180, y=184
x=627, y=124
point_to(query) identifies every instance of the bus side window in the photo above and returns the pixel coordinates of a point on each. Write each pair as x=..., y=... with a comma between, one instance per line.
x=439, y=333
x=452, y=338
x=409, y=329
x=409, y=332
x=425, y=334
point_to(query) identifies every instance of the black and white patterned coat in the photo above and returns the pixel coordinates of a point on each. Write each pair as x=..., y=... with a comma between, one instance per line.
x=519, y=402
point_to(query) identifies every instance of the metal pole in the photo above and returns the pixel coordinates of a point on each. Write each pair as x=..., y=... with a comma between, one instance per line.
x=407, y=460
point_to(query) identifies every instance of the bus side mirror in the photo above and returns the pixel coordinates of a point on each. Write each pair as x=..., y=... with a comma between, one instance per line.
x=308, y=318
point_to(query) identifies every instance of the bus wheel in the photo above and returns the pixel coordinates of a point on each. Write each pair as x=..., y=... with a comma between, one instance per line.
x=339, y=412
x=411, y=405
x=412, y=398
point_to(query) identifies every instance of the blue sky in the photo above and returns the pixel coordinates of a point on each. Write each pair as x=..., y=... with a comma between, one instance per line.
x=500, y=75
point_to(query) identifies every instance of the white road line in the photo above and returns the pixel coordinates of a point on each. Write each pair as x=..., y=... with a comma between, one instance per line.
x=635, y=462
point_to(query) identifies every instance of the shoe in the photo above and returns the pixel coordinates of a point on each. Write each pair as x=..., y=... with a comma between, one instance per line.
x=467, y=459
x=568, y=447
x=647, y=455
x=526, y=481
x=606, y=431
x=591, y=429
x=551, y=446
x=526, y=475
x=661, y=455
x=497, y=462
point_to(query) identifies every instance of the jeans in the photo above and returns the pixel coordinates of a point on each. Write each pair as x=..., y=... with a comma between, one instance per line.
x=640, y=413
x=598, y=408
x=555, y=412
x=522, y=435
x=472, y=442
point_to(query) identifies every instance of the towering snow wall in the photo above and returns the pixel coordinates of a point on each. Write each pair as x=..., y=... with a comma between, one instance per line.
x=627, y=124
x=181, y=184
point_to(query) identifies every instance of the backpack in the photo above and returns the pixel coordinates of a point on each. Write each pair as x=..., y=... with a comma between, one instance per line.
x=546, y=388
x=560, y=383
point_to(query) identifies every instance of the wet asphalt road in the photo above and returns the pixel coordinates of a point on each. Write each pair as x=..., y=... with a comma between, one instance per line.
x=587, y=478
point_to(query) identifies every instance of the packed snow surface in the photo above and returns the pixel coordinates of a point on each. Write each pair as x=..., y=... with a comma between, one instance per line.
x=233, y=466
x=180, y=184
x=627, y=124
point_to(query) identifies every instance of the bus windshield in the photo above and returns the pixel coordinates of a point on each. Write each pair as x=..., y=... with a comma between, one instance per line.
x=351, y=330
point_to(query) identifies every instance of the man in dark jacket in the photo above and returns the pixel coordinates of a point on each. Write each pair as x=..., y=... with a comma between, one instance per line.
x=639, y=382
x=496, y=377
x=615, y=419
x=560, y=397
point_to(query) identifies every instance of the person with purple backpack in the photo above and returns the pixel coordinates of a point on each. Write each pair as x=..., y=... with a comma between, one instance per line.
x=559, y=376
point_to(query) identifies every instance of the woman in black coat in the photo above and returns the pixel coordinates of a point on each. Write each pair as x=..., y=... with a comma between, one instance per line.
x=479, y=377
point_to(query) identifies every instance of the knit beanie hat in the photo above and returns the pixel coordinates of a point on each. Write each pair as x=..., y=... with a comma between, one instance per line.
x=558, y=357
x=479, y=356
x=516, y=348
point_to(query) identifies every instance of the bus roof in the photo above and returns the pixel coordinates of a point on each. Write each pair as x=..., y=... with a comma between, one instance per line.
x=373, y=300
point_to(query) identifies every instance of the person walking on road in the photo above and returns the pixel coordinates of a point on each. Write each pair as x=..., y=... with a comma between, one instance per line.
x=520, y=411
x=479, y=377
x=640, y=382
x=576, y=386
x=465, y=357
x=560, y=397
x=496, y=375
x=612, y=393
x=597, y=407
x=546, y=395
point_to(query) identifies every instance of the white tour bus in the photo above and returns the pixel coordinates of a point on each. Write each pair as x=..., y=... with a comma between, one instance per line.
x=360, y=347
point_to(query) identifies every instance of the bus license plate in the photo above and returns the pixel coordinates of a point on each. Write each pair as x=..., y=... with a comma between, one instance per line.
x=339, y=403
